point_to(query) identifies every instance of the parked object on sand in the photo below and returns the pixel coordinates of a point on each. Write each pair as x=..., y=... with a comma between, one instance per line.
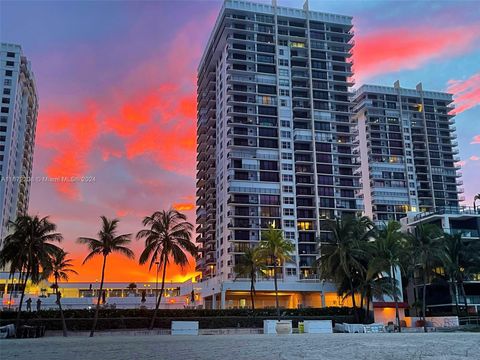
x=7, y=331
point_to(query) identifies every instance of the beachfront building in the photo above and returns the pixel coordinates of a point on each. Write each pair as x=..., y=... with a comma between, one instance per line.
x=274, y=146
x=407, y=150
x=84, y=295
x=18, y=121
x=439, y=297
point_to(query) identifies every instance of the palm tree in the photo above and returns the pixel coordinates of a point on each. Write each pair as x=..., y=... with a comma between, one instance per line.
x=250, y=264
x=476, y=197
x=389, y=248
x=453, y=262
x=424, y=244
x=342, y=259
x=168, y=236
x=28, y=249
x=468, y=261
x=60, y=267
x=108, y=242
x=275, y=249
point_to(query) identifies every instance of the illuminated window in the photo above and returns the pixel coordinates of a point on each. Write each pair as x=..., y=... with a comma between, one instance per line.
x=297, y=44
x=305, y=225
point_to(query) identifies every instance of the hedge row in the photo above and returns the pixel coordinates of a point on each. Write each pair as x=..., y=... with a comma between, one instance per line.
x=78, y=320
x=173, y=313
x=165, y=323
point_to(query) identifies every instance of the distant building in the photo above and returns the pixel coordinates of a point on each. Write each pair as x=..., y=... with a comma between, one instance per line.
x=275, y=143
x=84, y=295
x=18, y=121
x=407, y=149
x=452, y=220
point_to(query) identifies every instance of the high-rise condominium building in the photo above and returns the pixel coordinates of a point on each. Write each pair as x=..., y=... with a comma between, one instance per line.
x=17, y=132
x=275, y=140
x=407, y=148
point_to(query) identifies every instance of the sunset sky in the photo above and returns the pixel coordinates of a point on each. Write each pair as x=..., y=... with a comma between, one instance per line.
x=116, y=83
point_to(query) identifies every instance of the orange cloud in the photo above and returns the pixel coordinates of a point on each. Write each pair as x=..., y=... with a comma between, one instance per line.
x=184, y=206
x=70, y=136
x=466, y=93
x=409, y=48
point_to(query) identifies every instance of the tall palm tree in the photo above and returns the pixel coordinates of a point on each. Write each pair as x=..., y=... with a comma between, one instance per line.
x=28, y=248
x=342, y=259
x=60, y=268
x=275, y=249
x=425, y=244
x=475, y=198
x=250, y=264
x=168, y=236
x=389, y=248
x=108, y=242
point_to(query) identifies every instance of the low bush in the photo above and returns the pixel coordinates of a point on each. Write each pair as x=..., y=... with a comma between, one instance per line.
x=78, y=320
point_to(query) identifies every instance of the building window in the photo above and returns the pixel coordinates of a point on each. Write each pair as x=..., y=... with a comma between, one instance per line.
x=8, y=72
x=287, y=189
x=289, y=223
x=6, y=91
x=7, y=82
x=287, y=166
x=288, y=212
x=288, y=200
x=285, y=145
x=285, y=123
x=286, y=156
x=291, y=272
x=10, y=54
x=287, y=177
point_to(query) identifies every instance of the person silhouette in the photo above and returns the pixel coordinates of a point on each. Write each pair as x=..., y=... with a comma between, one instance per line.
x=39, y=305
x=29, y=304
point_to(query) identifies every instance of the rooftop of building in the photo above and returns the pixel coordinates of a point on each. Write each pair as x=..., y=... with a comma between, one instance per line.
x=457, y=212
x=393, y=90
x=256, y=7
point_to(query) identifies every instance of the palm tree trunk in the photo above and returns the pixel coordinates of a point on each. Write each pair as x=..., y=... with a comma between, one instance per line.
x=95, y=319
x=252, y=294
x=394, y=287
x=276, y=287
x=464, y=294
x=455, y=294
x=17, y=323
x=368, y=309
x=424, y=299
x=64, y=324
x=11, y=292
x=159, y=295
x=354, y=305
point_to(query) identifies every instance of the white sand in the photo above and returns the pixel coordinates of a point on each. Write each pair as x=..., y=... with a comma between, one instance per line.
x=432, y=346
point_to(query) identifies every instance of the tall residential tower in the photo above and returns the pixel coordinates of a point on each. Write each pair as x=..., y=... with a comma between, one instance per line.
x=275, y=139
x=17, y=132
x=407, y=149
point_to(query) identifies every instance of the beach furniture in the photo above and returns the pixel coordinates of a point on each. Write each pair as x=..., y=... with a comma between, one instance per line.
x=184, y=328
x=318, y=326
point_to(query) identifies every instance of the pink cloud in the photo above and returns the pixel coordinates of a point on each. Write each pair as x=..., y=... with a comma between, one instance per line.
x=395, y=49
x=474, y=158
x=466, y=92
x=476, y=139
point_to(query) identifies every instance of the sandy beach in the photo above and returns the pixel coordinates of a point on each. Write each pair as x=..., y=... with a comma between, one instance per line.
x=435, y=346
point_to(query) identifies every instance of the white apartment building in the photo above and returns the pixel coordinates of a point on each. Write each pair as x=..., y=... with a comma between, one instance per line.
x=18, y=120
x=407, y=151
x=275, y=146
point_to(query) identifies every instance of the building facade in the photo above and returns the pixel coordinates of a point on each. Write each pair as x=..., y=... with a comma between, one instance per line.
x=18, y=120
x=275, y=138
x=407, y=151
x=440, y=298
